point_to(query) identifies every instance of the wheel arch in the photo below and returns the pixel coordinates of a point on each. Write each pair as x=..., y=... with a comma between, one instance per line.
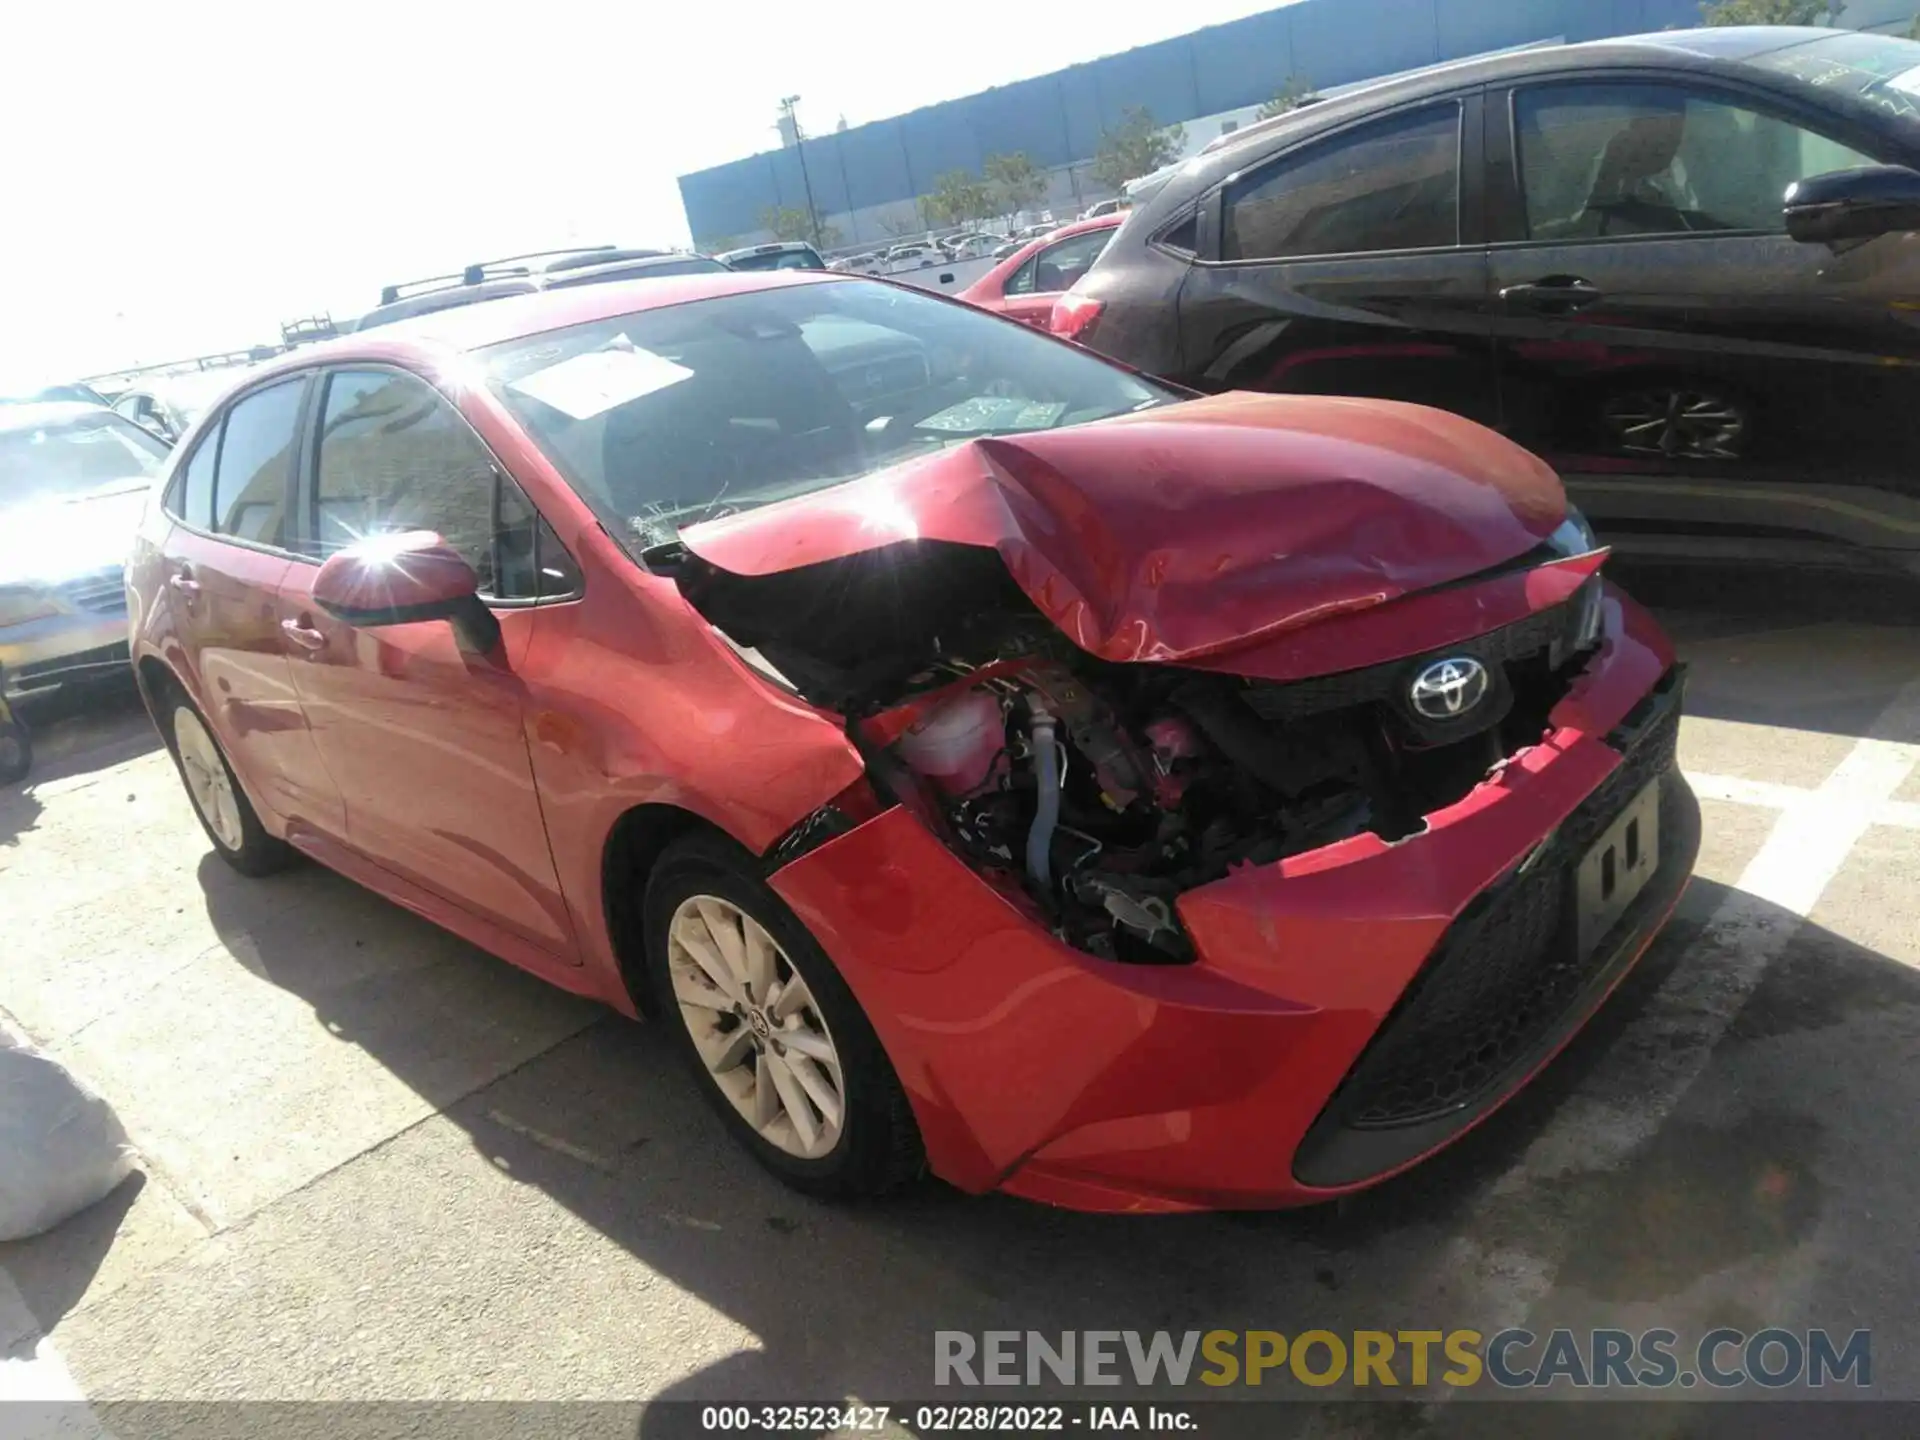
x=634, y=845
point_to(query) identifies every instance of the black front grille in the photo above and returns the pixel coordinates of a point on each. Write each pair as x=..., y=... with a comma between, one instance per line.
x=1521, y=640
x=1507, y=969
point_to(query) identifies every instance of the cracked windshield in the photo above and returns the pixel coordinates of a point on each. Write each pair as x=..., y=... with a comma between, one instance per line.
x=671, y=416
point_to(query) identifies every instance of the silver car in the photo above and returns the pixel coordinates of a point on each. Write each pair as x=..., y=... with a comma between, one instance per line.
x=73, y=481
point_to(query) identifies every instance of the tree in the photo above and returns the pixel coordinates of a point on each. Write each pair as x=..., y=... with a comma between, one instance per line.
x=958, y=197
x=789, y=223
x=1136, y=147
x=716, y=244
x=1015, y=182
x=1296, y=92
x=1765, y=12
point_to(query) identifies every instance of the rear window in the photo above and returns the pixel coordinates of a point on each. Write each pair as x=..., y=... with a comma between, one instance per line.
x=802, y=259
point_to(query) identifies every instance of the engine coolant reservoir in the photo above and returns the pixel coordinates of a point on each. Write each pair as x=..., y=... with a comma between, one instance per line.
x=955, y=744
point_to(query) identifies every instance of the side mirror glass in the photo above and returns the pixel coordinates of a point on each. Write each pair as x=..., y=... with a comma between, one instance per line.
x=1855, y=204
x=402, y=578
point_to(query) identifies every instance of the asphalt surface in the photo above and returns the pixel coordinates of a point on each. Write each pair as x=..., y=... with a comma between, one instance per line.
x=378, y=1164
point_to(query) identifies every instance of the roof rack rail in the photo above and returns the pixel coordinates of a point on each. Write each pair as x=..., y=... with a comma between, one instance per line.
x=509, y=264
x=391, y=293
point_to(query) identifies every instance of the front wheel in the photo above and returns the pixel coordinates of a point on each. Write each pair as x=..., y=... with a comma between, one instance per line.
x=777, y=1040
x=222, y=806
x=16, y=749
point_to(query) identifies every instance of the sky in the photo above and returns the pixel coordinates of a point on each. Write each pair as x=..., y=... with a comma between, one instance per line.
x=182, y=177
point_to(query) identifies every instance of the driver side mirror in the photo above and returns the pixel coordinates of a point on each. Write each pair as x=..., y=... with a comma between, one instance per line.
x=402, y=578
x=1856, y=204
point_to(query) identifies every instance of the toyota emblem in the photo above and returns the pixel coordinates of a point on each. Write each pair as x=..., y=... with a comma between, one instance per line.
x=1448, y=689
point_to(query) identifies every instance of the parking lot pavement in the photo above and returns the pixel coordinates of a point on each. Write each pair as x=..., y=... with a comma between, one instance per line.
x=380, y=1164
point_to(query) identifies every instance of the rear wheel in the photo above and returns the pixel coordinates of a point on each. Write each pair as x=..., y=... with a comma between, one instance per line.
x=777, y=1040
x=224, y=810
x=1677, y=421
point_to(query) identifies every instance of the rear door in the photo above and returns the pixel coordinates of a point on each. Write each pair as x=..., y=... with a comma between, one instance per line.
x=1031, y=290
x=1705, y=383
x=224, y=561
x=1349, y=263
x=427, y=742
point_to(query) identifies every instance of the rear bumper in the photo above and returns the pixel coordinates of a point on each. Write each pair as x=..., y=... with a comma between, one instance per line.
x=1253, y=1076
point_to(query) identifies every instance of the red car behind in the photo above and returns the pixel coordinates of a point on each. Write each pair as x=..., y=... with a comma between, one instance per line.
x=980, y=758
x=1025, y=284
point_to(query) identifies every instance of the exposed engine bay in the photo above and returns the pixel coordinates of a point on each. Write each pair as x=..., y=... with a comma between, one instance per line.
x=1093, y=793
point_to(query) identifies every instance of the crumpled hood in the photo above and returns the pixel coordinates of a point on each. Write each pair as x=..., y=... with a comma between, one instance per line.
x=1182, y=531
x=53, y=540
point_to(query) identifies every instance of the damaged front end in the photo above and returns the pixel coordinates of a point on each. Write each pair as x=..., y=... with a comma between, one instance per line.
x=1091, y=794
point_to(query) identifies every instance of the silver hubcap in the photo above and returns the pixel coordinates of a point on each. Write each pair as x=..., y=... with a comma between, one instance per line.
x=756, y=1026
x=207, y=780
x=1689, y=424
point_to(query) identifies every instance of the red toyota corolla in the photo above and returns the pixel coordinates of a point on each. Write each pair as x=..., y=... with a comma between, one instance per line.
x=982, y=759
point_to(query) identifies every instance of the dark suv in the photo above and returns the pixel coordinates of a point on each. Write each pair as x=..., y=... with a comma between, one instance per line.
x=1634, y=257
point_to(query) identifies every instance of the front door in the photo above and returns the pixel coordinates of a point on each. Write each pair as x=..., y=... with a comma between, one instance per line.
x=224, y=563
x=1703, y=382
x=1349, y=265
x=426, y=741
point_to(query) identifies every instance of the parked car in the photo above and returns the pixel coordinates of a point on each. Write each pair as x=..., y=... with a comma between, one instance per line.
x=167, y=407
x=780, y=255
x=1103, y=207
x=494, y=280
x=912, y=257
x=73, y=483
x=926, y=720
x=1677, y=265
x=1026, y=283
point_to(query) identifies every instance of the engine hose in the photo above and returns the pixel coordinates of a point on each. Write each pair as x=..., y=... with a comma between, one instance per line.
x=1046, y=814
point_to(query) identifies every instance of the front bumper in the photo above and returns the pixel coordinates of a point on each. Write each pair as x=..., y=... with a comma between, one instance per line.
x=1275, y=1069
x=85, y=636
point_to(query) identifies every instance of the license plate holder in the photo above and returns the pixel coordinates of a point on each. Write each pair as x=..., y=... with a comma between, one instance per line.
x=1616, y=868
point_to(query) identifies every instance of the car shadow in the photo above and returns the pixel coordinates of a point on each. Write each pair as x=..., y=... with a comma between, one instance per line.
x=1805, y=651
x=843, y=1300
x=83, y=728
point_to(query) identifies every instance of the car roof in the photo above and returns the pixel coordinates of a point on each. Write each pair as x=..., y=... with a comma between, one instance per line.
x=475, y=327
x=34, y=414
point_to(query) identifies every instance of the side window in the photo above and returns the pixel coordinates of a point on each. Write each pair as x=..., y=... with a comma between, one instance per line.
x=1393, y=185
x=1058, y=267
x=395, y=455
x=1021, y=281
x=256, y=463
x=1601, y=161
x=191, y=496
x=529, y=561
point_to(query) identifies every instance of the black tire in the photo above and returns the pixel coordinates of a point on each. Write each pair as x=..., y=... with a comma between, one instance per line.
x=16, y=752
x=258, y=853
x=879, y=1147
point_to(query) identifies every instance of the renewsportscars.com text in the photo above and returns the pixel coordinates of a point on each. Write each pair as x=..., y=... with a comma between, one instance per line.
x=1511, y=1359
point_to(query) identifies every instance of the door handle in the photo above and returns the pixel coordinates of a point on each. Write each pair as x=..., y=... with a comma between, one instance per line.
x=185, y=584
x=1553, y=293
x=305, y=636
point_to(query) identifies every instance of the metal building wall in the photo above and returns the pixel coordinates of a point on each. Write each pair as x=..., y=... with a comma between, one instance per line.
x=865, y=180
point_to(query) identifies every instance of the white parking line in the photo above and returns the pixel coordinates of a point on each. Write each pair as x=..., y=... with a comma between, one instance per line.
x=1903, y=814
x=1624, y=1100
